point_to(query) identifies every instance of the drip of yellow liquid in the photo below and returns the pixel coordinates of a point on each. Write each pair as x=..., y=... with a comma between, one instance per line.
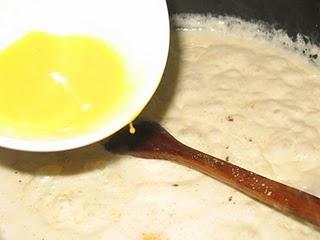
x=132, y=129
x=59, y=85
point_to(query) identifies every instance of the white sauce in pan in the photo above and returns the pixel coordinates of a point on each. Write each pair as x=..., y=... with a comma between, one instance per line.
x=227, y=91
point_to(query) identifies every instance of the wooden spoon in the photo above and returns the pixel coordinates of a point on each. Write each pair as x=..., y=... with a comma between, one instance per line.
x=153, y=142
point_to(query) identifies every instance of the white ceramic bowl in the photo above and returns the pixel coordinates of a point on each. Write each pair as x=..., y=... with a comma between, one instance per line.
x=138, y=29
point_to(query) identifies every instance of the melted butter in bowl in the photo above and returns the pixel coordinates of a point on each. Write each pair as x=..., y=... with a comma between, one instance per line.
x=74, y=72
x=55, y=86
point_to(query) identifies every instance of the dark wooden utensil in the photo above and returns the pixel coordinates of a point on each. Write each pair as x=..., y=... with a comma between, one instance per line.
x=153, y=142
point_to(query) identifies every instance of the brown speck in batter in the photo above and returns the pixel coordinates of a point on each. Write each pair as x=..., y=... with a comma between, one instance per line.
x=230, y=118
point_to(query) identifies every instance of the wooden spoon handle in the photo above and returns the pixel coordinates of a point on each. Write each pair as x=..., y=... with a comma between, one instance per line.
x=152, y=141
x=277, y=195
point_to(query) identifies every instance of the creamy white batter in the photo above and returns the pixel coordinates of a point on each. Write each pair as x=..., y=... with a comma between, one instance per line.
x=228, y=92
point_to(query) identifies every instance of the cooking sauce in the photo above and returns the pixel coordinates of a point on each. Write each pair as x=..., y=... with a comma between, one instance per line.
x=230, y=90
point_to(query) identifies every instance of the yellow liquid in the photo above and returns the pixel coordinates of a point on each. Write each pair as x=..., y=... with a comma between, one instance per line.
x=59, y=85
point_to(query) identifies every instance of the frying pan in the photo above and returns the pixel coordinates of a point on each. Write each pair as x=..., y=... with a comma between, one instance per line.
x=293, y=16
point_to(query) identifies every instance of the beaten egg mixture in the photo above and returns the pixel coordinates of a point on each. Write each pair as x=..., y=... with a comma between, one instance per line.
x=226, y=91
x=59, y=85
